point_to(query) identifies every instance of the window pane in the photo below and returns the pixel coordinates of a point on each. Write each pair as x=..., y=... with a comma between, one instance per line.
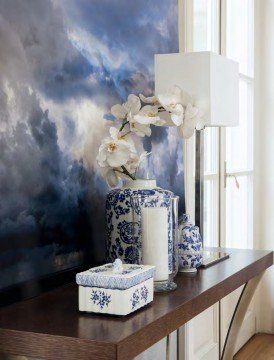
x=211, y=212
x=205, y=26
x=239, y=205
x=211, y=138
x=205, y=37
x=239, y=140
x=239, y=34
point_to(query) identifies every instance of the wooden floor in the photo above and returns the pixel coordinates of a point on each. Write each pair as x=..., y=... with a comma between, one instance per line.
x=259, y=347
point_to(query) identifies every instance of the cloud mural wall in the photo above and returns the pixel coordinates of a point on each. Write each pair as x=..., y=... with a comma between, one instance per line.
x=63, y=64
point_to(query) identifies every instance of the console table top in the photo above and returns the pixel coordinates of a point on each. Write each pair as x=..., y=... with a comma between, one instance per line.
x=50, y=325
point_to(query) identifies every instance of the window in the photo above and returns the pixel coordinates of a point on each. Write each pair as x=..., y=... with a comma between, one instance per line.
x=228, y=152
x=206, y=38
x=223, y=26
x=239, y=141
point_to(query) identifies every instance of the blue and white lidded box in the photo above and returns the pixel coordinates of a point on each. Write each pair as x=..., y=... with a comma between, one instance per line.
x=117, y=289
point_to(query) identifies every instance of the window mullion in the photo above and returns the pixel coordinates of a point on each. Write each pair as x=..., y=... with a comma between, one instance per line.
x=246, y=78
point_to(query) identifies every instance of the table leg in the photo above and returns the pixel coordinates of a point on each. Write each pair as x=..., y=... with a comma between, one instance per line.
x=238, y=317
x=168, y=347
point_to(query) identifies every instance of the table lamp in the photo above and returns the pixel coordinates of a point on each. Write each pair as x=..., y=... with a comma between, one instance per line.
x=213, y=82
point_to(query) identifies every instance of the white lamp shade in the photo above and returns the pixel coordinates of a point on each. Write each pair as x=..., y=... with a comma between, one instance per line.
x=212, y=80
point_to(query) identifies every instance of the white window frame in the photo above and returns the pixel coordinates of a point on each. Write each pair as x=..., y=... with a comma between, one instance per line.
x=228, y=302
x=185, y=44
x=223, y=171
x=186, y=348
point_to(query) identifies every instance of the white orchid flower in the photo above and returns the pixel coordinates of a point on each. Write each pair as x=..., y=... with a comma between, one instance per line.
x=177, y=114
x=192, y=121
x=149, y=115
x=174, y=101
x=149, y=100
x=133, y=104
x=131, y=107
x=135, y=162
x=181, y=96
x=171, y=102
x=110, y=175
x=116, y=150
x=140, y=129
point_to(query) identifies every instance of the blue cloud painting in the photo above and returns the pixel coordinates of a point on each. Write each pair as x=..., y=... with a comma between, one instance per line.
x=63, y=64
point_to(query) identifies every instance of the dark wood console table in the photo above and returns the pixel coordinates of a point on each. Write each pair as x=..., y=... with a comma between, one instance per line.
x=50, y=326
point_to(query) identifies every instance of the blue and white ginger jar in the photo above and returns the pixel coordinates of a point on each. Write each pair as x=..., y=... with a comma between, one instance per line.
x=123, y=239
x=190, y=246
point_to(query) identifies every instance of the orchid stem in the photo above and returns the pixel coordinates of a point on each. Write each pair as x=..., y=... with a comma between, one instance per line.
x=123, y=125
x=128, y=173
x=123, y=136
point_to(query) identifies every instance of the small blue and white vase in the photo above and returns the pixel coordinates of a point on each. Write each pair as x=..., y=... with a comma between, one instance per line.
x=190, y=246
x=123, y=238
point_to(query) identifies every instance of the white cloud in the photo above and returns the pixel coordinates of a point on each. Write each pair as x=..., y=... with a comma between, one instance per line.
x=96, y=52
x=89, y=127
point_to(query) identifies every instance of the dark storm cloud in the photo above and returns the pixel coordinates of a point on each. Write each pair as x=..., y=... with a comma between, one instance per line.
x=37, y=31
x=43, y=191
x=51, y=206
x=61, y=70
x=41, y=188
x=139, y=29
x=131, y=26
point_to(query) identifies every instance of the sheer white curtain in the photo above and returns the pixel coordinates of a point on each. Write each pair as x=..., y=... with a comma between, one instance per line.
x=264, y=152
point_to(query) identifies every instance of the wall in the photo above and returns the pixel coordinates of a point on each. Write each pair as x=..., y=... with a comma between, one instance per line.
x=60, y=73
x=264, y=153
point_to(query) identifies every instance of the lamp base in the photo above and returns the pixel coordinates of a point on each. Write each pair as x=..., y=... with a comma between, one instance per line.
x=190, y=270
